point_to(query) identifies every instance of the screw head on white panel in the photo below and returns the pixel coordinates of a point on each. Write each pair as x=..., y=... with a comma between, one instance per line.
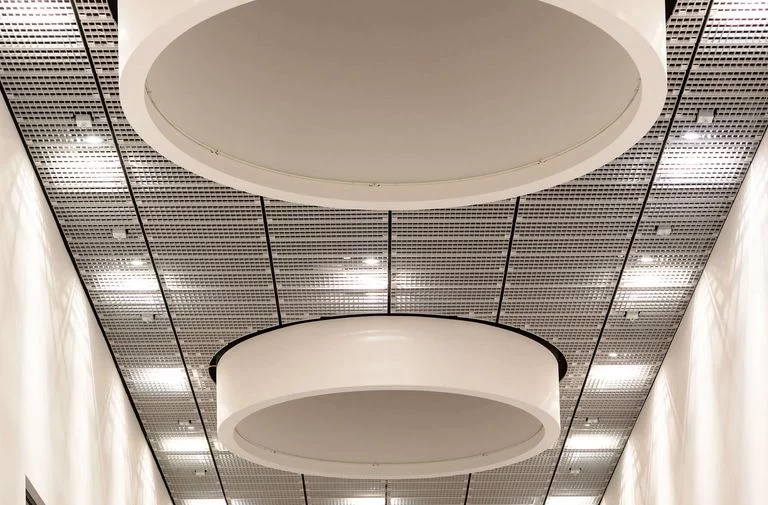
x=119, y=233
x=632, y=315
x=664, y=230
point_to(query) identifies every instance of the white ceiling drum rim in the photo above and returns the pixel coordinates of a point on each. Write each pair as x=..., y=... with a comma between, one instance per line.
x=333, y=113
x=388, y=396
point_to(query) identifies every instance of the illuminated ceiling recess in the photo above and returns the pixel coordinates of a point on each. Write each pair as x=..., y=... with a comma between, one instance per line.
x=388, y=396
x=392, y=104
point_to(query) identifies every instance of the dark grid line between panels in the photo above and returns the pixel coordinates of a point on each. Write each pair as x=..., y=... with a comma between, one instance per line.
x=506, y=271
x=667, y=133
x=146, y=240
x=271, y=262
x=83, y=286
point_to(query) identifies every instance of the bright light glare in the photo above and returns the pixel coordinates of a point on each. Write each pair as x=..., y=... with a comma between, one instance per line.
x=570, y=500
x=164, y=379
x=93, y=140
x=374, y=500
x=691, y=136
x=613, y=376
x=138, y=263
x=371, y=261
x=185, y=444
x=205, y=501
x=368, y=282
x=646, y=259
x=588, y=442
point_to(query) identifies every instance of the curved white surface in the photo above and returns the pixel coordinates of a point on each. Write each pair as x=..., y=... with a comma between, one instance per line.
x=388, y=397
x=396, y=104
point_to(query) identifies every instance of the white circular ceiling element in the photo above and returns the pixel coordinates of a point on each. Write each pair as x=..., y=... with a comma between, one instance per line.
x=388, y=396
x=392, y=104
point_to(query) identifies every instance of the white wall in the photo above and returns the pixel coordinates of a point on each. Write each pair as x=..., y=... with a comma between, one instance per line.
x=702, y=437
x=65, y=420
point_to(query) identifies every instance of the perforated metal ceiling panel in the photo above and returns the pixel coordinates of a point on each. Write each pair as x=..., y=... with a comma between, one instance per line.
x=177, y=266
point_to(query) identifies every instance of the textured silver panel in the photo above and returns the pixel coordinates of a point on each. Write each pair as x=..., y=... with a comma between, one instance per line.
x=177, y=266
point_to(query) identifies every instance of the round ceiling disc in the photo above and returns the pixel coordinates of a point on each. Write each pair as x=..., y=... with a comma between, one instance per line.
x=392, y=104
x=388, y=397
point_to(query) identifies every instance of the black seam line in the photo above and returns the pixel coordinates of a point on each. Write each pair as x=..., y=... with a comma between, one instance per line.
x=304, y=489
x=386, y=492
x=667, y=133
x=509, y=255
x=653, y=383
x=389, y=262
x=84, y=288
x=466, y=493
x=146, y=240
x=271, y=260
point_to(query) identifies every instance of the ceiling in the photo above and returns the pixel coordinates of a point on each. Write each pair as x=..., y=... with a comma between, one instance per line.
x=176, y=266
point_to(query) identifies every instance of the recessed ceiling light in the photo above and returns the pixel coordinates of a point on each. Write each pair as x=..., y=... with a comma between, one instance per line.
x=592, y=442
x=138, y=263
x=93, y=140
x=613, y=354
x=371, y=261
x=705, y=116
x=647, y=259
x=84, y=120
x=368, y=500
x=614, y=376
x=119, y=233
x=571, y=500
x=632, y=315
x=184, y=444
x=691, y=136
x=161, y=379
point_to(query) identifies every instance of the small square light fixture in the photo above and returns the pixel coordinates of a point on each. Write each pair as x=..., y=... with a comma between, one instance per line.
x=571, y=500
x=705, y=116
x=691, y=136
x=185, y=444
x=632, y=315
x=119, y=233
x=83, y=120
x=663, y=230
x=148, y=317
x=160, y=379
x=574, y=470
x=592, y=442
x=614, y=376
x=201, y=472
x=367, y=500
x=93, y=140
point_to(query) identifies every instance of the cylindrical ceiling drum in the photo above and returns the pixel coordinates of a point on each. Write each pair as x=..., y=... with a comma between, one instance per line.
x=388, y=397
x=392, y=104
